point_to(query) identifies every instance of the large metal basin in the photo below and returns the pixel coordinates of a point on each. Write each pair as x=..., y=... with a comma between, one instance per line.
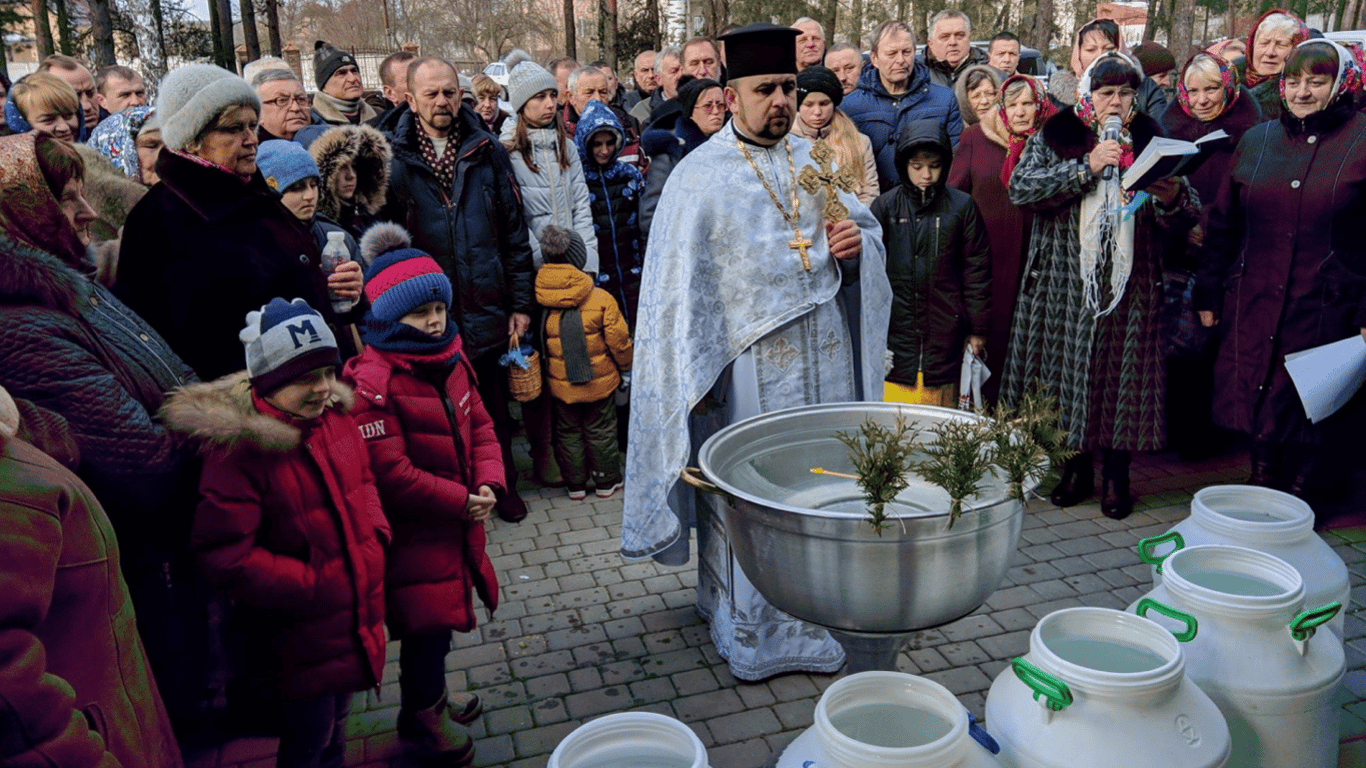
x=804, y=541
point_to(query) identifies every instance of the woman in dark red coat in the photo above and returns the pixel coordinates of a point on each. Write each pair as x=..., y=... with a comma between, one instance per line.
x=1283, y=268
x=982, y=164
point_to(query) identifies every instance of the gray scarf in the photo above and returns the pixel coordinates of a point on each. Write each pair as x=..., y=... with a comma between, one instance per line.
x=344, y=106
x=577, y=367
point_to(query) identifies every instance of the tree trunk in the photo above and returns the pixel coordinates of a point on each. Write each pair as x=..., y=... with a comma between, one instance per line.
x=101, y=33
x=829, y=16
x=607, y=10
x=43, y=29
x=1153, y=21
x=570, y=46
x=1183, y=27
x=920, y=17
x=249, y=35
x=652, y=23
x=229, y=40
x=216, y=33
x=1040, y=34
x=272, y=9
x=855, y=24
x=149, y=33
x=66, y=35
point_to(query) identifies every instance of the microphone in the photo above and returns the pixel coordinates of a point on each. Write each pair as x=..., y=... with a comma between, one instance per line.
x=1113, y=126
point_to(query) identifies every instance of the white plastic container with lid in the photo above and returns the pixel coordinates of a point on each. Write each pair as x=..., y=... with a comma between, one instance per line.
x=1269, y=521
x=1257, y=654
x=630, y=740
x=1101, y=687
x=890, y=720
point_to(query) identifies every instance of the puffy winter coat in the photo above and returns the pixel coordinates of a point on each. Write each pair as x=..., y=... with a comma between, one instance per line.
x=291, y=525
x=75, y=688
x=880, y=116
x=367, y=152
x=431, y=445
x=614, y=194
x=475, y=230
x=563, y=286
x=552, y=195
x=939, y=264
x=202, y=249
x=1283, y=264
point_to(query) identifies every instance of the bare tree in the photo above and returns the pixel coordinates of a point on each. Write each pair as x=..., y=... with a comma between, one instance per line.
x=66, y=33
x=570, y=44
x=101, y=33
x=271, y=9
x=1040, y=33
x=42, y=28
x=250, y=37
x=1183, y=29
x=226, y=38
x=607, y=20
x=855, y=24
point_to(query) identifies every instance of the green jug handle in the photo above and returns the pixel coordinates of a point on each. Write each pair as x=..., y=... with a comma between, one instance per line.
x=1302, y=627
x=1055, y=692
x=1192, y=626
x=1146, y=547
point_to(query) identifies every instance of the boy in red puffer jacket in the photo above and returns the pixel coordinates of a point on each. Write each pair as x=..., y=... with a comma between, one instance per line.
x=440, y=471
x=290, y=523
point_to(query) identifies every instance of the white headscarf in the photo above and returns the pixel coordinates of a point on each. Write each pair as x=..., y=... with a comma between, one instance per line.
x=1104, y=229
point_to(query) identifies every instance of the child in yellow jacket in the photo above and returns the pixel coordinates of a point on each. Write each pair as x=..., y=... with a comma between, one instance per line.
x=587, y=349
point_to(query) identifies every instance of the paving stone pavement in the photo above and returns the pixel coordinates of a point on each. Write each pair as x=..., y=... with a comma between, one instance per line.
x=582, y=633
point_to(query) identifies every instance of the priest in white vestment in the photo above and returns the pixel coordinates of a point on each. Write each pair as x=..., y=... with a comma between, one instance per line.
x=750, y=302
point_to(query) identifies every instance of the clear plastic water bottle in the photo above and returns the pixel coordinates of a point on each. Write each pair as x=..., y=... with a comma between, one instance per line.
x=335, y=254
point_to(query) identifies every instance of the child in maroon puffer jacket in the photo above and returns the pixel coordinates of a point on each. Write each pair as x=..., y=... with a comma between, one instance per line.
x=290, y=522
x=440, y=471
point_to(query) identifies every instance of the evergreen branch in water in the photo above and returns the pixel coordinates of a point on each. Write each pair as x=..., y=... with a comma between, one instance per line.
x=881, y=457
x=958, y=460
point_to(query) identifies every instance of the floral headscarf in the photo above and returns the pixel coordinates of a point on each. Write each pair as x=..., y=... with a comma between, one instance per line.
x=1017, y=140
x=29, y=212
x=1086, y=109
x=116, y=137
x=1349, y=77
x=1228, y=79
x=1253, y=77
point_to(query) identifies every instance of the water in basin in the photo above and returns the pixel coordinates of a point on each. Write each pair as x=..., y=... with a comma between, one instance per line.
x=1231, y=583
x=1104, y=655
x=890, y=726
x=1251, y=515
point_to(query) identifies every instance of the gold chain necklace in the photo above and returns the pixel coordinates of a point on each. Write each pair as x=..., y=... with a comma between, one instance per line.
x=798, y=242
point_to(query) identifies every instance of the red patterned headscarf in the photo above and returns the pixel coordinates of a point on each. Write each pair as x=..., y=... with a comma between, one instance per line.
x=1044, y=110
x=29, y=212
x=1253, y=76
x=1227, y=79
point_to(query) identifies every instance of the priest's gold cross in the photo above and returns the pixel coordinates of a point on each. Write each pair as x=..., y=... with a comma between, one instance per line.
x=813, y=180
x=799, y=243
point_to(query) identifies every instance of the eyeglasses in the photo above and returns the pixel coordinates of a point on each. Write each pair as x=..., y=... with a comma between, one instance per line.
x=283, y=102
x=712, y=106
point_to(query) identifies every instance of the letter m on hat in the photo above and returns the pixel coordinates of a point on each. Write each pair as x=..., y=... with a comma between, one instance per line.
x=295, y=331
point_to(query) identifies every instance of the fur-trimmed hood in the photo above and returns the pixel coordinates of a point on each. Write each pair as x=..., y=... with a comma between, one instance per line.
x=220, y=416
x=1070, y=138
x=367, y=151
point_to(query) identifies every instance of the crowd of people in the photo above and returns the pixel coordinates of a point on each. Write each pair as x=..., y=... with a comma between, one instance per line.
x=265, y=353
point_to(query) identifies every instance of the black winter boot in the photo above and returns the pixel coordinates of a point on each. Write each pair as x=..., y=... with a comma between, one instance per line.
x=1264, y=457
x=1115, y=501
x=1078, y=481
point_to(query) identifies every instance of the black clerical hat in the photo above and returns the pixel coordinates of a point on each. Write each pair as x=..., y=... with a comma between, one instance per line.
x=761, y=49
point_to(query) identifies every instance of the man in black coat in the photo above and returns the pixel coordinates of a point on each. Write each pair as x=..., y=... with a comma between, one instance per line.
x=452, y=185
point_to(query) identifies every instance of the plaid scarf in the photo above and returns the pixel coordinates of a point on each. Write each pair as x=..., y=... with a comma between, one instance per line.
x=444, y=166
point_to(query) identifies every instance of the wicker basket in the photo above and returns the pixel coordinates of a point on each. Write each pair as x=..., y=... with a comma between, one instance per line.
x=524, y=384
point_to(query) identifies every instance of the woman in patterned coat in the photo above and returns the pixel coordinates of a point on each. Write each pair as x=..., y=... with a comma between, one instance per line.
x=1086, y=321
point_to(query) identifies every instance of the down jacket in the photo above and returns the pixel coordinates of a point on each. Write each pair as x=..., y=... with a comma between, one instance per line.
x=75, y=688
x=939, y=264
x=552, y=195
x=431, y=444
x=564, y=286
x=367, y=152
x=291, y=525
x=614, y=193
x=881, y=116
x=475, y=230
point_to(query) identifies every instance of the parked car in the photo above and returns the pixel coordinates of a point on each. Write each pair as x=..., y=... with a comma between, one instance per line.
x=1357, y=36
x=499, y=72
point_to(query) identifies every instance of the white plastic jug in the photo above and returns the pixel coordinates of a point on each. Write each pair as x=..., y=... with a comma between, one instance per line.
x=1269, y=521
x=630, y=740
x=1257, y=654
x=1101, y=687
x=889, y=720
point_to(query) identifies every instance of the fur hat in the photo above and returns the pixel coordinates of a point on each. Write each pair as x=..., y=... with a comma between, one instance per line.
x=285, y=163
x=527, y=80
x=401, y=278
x=285, y=340
x=327, y=59
x=192, y=97
x=563, y=246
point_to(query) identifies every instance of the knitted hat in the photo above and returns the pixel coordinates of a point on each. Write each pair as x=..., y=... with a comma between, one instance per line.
x=691, y=91
x=285, y=162
x=563, y=246
x=527, y=80
x=285, y=340
x=400, y=278
x=819, y=79
x=1154, y=58
x=327, y=59
x=193, y=96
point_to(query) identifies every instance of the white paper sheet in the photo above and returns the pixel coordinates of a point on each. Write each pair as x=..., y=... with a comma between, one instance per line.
x=1328, y=376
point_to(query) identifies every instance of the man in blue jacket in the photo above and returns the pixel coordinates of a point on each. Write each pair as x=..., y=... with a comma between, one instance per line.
x=894, y=91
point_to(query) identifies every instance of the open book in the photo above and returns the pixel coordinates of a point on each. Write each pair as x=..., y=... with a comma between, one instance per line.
x=1164, y=158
